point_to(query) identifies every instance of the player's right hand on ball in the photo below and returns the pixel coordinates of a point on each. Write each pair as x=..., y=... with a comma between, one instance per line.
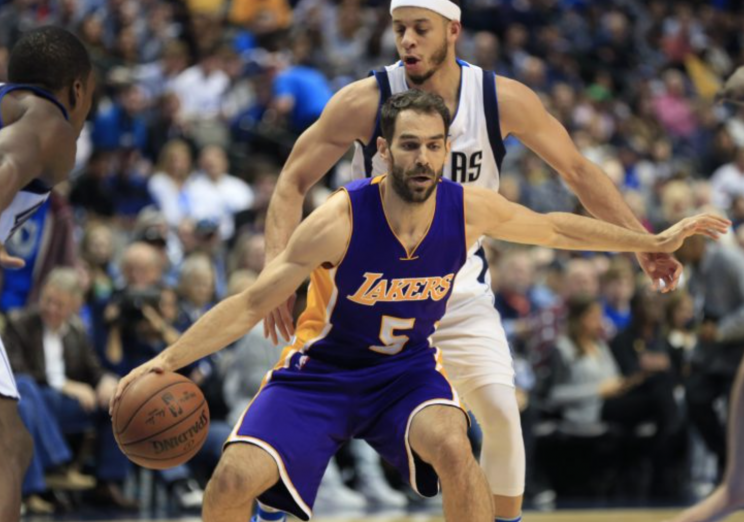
x=708, y=225
x=150, y=366
x=280, y=320
x=8, y=261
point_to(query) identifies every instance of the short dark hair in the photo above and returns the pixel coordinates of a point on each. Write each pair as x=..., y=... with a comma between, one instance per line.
x=412, y=100
x=49, y=57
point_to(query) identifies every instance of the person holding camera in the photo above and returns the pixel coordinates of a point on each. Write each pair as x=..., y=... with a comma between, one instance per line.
x=141, y=313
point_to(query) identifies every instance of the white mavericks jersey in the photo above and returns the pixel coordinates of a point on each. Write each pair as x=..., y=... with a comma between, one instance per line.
x=25, y=203
x=33, y=195
x=477, y=153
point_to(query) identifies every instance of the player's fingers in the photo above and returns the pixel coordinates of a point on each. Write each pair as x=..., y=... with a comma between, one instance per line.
x=272, y=330
x=287, y=322
x=7, y=261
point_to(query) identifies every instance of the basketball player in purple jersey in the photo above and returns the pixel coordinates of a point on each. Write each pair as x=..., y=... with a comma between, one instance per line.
x=42, y=111
x=383, y=254
x=728, y=497
x=486, y=109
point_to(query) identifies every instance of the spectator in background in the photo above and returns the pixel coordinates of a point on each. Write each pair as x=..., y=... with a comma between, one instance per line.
x=674, y=110
x=170, y=187
x=50, y=345
x=200, y=89
x=642, y=352
x=716, y=284
x=300, y=90
x=728, y=182
x=264, y=18
x=618, y=286
x=121, y=123
x=514, y=299
x=235, y=195
x=140, y=315
x=681, y=336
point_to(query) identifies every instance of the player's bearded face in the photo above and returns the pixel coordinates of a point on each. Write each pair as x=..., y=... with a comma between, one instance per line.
x=416, y=184
x=436, y=61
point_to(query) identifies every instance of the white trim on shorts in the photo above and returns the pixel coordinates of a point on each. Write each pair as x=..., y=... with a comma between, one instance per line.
x=283, y=474
x=8, y=387
x=409, y=450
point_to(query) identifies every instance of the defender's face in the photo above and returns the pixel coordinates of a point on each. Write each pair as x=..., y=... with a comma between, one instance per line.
x=424, y=40
x=417, y=155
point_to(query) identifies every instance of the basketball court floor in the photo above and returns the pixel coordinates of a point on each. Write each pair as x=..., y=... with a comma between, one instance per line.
x=558, y=516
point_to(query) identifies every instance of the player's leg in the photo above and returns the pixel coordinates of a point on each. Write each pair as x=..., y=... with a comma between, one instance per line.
x=16, y=445
x=244, y=472
x=729, y=496
x=438, y=435
x=479, y=364
x=502, y=451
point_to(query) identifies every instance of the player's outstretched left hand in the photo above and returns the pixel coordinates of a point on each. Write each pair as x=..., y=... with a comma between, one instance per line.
x=708, y=225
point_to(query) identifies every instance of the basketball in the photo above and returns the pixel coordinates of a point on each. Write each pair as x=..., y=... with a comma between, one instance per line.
x=161, y=420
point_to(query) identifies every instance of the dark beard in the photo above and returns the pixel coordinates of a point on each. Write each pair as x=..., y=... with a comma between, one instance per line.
x=399, y=179
x=437, y=60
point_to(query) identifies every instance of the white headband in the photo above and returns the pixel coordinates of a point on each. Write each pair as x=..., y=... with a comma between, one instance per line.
x=444, y=7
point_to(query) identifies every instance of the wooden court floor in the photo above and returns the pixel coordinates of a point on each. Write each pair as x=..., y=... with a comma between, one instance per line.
x=558, y=516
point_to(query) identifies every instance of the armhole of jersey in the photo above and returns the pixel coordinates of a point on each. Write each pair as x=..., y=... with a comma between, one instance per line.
x=351, y=226
x=491, y=108
x=369, y=150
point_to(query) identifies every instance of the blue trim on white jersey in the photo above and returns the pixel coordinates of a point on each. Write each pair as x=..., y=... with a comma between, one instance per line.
x=491, y=108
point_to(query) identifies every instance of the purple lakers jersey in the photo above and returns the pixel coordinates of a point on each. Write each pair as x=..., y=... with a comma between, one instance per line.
x=382, y=300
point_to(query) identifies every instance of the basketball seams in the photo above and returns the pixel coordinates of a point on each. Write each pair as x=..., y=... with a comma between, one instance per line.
x=134, y=414
x=198, y=409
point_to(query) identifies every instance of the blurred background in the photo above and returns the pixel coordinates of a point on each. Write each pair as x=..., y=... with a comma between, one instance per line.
x=199, y=103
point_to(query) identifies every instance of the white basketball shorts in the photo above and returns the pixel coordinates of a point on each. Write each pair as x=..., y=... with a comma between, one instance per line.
x=8, y=387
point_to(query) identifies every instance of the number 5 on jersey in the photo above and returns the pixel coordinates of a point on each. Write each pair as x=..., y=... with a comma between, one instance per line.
x=391, y=343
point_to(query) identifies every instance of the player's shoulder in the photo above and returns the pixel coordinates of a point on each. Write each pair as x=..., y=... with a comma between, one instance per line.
x=361, y=95
x=510, y=90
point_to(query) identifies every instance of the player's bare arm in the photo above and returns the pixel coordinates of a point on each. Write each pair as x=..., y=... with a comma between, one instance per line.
x=349, y=116
x=523, y=115
x=320, y=240
x=490, y=214
x=38, y=144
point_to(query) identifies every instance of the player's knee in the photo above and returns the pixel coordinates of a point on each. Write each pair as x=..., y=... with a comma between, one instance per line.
x=230, y=483
x=451, y=450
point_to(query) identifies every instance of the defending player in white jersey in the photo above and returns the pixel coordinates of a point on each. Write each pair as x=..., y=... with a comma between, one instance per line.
x=42, y=111
x=487, y=108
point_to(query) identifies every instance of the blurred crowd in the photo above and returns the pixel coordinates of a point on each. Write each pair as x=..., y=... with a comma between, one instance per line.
x=199, y=103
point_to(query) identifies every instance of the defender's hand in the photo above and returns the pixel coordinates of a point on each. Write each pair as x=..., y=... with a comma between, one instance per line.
x=708, y=225
x=663, y=270
x=8, y=261
x=280, y=320
x=151, y=366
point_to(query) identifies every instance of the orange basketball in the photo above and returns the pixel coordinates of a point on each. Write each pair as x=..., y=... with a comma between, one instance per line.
x=161, y=420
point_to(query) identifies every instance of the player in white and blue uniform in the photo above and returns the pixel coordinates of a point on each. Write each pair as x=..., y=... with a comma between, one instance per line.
x=383, y=254
x=486, y=108
x=42, y=112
